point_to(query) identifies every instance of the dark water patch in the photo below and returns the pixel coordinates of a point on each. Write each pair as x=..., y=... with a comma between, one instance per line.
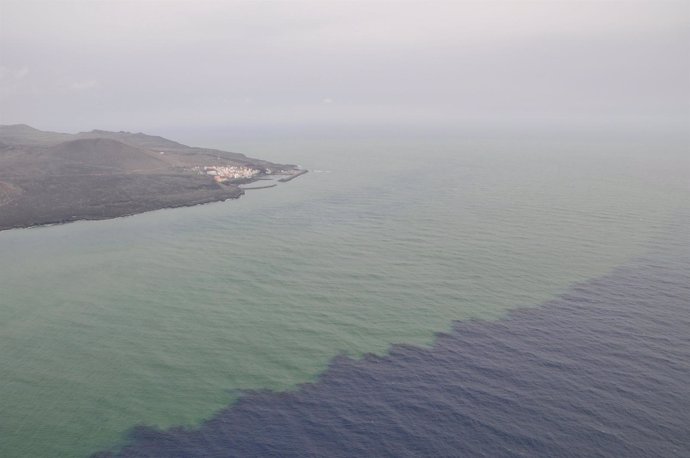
x=603, y=370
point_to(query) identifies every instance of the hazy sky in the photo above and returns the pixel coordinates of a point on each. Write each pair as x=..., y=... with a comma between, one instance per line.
x=138, y=65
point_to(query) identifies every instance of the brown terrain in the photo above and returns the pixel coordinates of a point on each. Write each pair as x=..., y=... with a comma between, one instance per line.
x=50, y=177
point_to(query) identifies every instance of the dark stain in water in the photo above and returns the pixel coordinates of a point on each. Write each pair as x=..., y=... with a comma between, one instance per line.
x=604, y=370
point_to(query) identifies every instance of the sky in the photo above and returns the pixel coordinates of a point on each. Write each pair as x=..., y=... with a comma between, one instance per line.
x=158, y=65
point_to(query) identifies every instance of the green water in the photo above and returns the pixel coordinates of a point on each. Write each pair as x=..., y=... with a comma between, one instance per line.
x=162, y=318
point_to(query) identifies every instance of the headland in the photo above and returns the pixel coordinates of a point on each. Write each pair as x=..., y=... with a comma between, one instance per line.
x=52, y=177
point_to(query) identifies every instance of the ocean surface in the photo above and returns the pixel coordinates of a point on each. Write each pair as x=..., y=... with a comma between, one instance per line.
x=304, y=319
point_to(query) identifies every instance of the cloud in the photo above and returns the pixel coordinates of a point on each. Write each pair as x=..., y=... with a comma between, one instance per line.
x=13, y=73
x=84, y=85
x=12, y=81
x=270, y=62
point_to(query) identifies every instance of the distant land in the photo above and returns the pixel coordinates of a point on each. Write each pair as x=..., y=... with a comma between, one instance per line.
x=52, y=177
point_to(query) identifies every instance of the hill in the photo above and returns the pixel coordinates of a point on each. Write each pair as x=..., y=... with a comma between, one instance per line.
x=21, y=134
x=53, y=177
x=106, y=153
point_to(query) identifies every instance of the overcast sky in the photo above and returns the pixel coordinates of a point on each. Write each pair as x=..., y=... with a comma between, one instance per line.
x=138, y=65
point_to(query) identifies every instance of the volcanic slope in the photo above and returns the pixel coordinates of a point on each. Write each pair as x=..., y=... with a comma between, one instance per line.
x=51, y=177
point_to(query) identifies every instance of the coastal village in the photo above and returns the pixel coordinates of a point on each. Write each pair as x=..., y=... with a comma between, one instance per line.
x=222, y=174
x=225, y=174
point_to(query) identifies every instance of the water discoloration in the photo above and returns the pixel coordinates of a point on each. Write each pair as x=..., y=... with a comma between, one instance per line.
x=600, y=371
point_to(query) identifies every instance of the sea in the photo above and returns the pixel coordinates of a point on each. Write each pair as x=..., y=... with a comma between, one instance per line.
x=414, y=294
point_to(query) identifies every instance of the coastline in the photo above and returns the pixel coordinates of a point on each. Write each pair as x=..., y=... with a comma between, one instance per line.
x=222, y=193
x=115, y=215
x=50, y=178
x=260, y=187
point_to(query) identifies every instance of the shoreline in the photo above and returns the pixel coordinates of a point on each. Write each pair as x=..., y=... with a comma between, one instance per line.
x=122, y=215
x=260, y=187
x=51, y=178
x=234, y=191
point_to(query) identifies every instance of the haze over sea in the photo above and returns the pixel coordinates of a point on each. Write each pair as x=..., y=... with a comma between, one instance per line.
x=163, y=319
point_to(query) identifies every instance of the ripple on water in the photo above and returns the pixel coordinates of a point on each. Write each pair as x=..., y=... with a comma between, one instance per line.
x=161, y=318
x=600, y=371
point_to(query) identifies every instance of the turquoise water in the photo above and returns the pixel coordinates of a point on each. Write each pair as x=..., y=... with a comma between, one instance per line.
x=161, y=318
